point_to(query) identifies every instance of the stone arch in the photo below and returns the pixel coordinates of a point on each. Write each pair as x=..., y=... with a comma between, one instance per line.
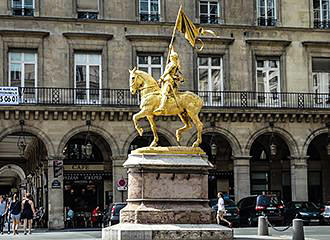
x=100, y=131
x=15, y=168
x=311, y=137
x=169, y=136
x=32, y=130
x=287, y=137
x=233, y=141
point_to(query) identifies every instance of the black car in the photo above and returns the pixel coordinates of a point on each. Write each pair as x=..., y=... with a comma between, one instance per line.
x=261, y=205
x=115, y=212
x=232, y=211
x=307, y=211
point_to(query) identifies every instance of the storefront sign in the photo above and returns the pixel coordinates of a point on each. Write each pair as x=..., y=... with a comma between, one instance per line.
x=9, y=95
x=56, y=184
x=83, y=167
x=85, y=176
x=58, y=168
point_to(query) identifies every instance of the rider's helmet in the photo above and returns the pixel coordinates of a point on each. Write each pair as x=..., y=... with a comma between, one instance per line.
x=174, y=55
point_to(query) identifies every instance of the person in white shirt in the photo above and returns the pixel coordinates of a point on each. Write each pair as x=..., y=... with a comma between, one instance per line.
x=221, y=210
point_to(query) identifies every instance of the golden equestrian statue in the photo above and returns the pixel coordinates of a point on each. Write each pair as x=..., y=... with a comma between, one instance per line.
x=162, y=98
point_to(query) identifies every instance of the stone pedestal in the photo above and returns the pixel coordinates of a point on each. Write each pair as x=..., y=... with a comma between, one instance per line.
x=167, y=197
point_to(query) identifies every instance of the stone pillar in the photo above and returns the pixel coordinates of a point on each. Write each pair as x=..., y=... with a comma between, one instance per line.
x=118, y=171
x=55, y=194
x=241, y=177
x=299, y=179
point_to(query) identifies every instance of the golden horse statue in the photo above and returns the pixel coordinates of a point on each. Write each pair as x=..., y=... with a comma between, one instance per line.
x=187, y=106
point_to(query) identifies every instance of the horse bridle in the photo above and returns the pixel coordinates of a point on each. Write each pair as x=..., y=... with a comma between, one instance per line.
x=141, y=88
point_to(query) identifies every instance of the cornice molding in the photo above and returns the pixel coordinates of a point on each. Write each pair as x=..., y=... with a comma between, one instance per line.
x=89, y=35
x=260, y=41
x=23, y=33
x=223, y=40
x=136, y=37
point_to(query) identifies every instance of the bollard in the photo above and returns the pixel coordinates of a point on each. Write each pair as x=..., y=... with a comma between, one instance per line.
x=298, y=229
x=262, y=226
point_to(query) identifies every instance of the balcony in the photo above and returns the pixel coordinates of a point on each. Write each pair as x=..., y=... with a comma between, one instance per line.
x=144, y=17
x=23, y=11
x=216, y=99
x=269, y=21
x=204, y=19
x=320, y=21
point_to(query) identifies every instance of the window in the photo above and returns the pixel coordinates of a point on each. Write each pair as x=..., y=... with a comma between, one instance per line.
x=259, y=182
x=209, y=12
x=23, y=7
x=321, y=80
x=321, y=13
x=149, y=10
x=266, y=10
x=87, y=9
x=23, y=73
x=88, y=78
x=210, y=80
x=152, y=64
x=268, y=81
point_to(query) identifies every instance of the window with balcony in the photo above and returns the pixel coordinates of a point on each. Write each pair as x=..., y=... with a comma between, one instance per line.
x=321, y=13
x=87, y=9
x=23, y=7
x=210, y=80
x=321, y=80
x=266, y=12
x=88, y=78
x=23, y=73
x=268, y=81
x=152, y=64
x=209, y=12
x=149, y=10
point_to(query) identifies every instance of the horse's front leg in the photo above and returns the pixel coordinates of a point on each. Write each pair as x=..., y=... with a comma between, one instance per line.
x=154, y=130
x=136, y=118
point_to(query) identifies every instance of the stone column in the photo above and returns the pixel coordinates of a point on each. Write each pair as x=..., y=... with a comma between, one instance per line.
x=241, y=177
x=55, y=194
x=299, y=180
x=118, y=171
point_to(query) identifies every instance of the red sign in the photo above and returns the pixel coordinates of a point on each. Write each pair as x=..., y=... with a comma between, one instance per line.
x=122, y=184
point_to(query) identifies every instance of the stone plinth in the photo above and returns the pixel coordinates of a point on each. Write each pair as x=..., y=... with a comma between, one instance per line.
x=167, y=186
x=167, y=198
x=128, y=231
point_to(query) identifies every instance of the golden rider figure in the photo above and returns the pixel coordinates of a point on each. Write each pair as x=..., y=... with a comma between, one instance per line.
x=170, y=79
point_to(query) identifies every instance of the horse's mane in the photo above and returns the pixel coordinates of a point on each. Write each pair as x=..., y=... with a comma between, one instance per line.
x=146, y=76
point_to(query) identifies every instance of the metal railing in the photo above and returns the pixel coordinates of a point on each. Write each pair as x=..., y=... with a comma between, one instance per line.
x=269, y=21
x=17, y=11
x=144, y=17
x=210, y=20
x=212, y=99
x=321, y=22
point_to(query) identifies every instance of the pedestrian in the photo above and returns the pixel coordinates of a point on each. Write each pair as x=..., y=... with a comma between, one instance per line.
x=3, y=212
x=96, y=216
x=69, y=217
x=8, y=215
x=28, y=212
x=15, y=210
x=221, y=210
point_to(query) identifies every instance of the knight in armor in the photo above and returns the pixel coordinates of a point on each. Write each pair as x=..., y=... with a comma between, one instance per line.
x=170, y=79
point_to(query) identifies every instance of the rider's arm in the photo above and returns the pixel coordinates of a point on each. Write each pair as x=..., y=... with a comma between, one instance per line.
x=168, y=69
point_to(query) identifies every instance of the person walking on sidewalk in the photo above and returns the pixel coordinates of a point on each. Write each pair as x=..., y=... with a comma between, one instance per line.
x=15, y=210
x=28, y=212
x=221, y=210
x=3, y=212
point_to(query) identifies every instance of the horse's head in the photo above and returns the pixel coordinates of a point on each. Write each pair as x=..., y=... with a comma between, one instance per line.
x=134, y=81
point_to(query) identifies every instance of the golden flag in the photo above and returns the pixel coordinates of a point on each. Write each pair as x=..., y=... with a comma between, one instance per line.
x=190, y=31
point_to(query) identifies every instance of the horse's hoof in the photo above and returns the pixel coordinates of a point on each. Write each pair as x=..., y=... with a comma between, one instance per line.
x=195, y=144
x=153, y=144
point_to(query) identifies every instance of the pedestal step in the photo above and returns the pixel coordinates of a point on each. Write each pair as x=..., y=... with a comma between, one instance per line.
x=125, y=231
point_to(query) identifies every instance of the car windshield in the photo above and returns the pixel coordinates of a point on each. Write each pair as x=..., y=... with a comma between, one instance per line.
x=267, y=200
x=305, y=206
x=118, y=208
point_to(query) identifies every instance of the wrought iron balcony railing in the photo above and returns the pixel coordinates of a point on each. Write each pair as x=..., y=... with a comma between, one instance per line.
x=23, y=11
x=320, y=21
x=210, y=20
x=216, y=99
x=144, y=17
x=269, y=21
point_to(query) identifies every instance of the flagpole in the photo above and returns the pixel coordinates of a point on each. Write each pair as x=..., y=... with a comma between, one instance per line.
x=173, y=34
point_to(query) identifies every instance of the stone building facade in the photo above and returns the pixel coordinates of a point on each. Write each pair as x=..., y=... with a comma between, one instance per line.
x=264, y=81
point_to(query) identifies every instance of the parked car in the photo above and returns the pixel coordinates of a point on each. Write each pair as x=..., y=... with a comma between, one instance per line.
x=326, y=215
x=232, y=211
x=115, y=212
x=307, y=211
x=258, y=205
